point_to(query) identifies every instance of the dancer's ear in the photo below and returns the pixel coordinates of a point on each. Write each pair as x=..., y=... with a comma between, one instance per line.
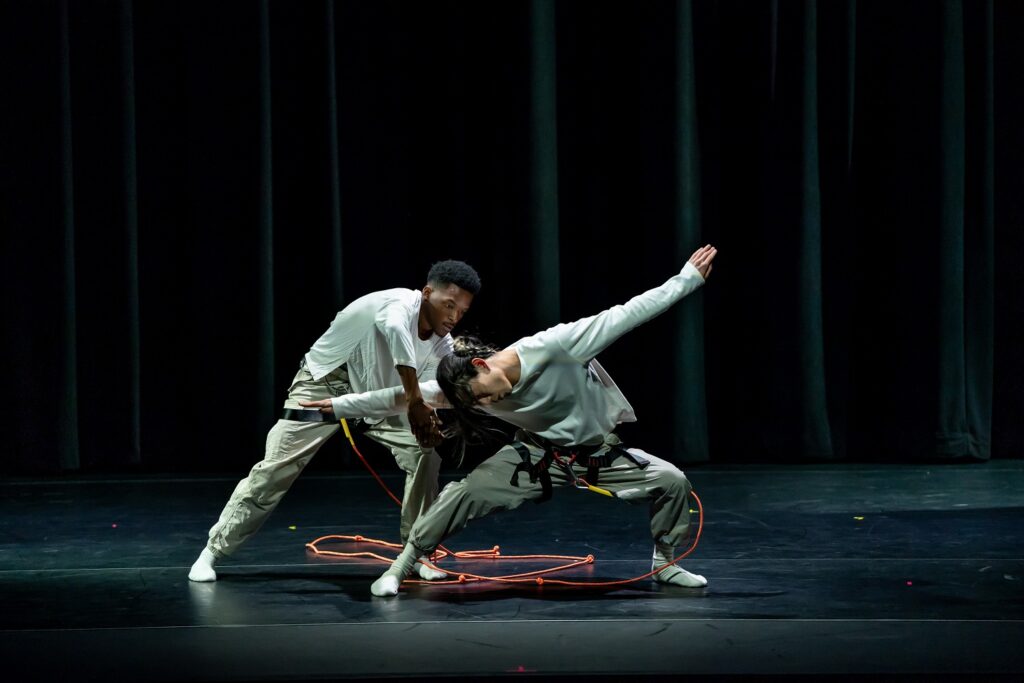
x=480, y=363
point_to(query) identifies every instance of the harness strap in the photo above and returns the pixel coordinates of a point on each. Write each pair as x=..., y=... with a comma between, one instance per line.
x=638, y=460
x=595, y=463
x=535, y=471
x=539, y=470
x=592, y=462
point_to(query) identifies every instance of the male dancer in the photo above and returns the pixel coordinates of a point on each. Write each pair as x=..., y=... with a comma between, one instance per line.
x=387, y=338
x=550, y=386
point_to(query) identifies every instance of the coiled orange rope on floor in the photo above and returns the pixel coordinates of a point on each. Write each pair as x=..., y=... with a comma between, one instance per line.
x=536, y=576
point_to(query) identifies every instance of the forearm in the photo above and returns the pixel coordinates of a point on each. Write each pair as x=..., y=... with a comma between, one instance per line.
x=585, y=338
x=410, y=384
x=385, y=402
x=370, y=404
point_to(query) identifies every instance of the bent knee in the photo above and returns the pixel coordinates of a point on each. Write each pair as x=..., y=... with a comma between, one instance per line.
x=673, y=479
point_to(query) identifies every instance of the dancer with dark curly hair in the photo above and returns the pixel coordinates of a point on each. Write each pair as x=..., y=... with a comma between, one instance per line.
x=395, y=337
x=566, y=407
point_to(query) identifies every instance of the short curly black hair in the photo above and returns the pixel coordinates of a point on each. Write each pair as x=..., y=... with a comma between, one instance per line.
x=454, y=273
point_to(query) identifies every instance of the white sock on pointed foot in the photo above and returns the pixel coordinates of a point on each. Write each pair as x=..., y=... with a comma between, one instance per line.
x=673, y=575
x=388, y=583
x=386, y=586
x=427, y=573
x=202, y=571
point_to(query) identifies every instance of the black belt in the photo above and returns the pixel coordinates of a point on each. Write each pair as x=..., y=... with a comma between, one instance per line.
x=306, y=415
x=548, y=446
x=585, y=454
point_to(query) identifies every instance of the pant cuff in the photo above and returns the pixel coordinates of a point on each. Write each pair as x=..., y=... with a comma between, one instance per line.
x=219, y=554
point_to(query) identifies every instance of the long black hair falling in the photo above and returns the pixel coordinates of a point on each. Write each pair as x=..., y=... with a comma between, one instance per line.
x=472, y=425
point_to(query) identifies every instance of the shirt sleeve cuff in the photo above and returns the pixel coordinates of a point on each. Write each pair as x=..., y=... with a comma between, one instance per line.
x=691, y=270
x=338, y=404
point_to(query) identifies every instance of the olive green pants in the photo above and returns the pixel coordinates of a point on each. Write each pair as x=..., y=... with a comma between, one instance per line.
x=488, y=489
x=292, y=444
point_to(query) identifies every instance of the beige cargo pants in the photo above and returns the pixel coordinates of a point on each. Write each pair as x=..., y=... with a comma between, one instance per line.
x=488, y=489
x=291, y=444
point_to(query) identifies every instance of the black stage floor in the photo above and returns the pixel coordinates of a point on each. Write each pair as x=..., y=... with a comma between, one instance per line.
x=852, y=570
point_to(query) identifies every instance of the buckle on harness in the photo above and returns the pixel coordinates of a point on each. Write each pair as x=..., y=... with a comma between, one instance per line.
x=566, y=466
x=577, y=481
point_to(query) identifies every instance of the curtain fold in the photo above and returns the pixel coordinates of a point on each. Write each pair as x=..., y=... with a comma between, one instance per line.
x=545, y=244
x=266, y=366
x=689, y=414
x=67, y=380
x=965, y=274
x=334, y=162
x=131, y=231
x=952, y=425
x=979, y=225
x=816, y=430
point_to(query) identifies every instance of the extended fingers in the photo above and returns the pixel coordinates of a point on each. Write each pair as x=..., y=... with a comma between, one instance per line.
x=703, y=256
x=325, y=406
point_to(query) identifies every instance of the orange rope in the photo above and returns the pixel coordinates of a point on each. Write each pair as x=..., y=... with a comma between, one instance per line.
x=494, y=553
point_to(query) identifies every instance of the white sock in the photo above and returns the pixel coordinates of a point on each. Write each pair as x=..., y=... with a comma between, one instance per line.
x=388, y=583
x=202, y=570
x=673, y=575
x=426, y=573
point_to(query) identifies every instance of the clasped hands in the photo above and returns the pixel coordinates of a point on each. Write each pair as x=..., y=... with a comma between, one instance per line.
x=426, y=425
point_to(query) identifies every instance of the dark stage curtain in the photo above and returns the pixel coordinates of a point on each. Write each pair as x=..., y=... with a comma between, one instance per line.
x=191, y=190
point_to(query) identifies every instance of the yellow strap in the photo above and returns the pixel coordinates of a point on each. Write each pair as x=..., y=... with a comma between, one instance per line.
x=348, y=434
x=603, y=492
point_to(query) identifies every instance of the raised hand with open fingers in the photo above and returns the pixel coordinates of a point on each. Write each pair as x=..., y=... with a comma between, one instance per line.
x=702, y=259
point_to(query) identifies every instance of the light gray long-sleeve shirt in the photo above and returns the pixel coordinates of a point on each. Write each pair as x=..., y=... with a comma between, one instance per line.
x=563, y=394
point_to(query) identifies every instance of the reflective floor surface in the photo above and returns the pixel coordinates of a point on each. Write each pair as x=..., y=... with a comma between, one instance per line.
x=842, y=570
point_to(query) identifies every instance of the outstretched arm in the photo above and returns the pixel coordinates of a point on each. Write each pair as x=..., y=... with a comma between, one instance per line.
x=379, y=403
x=586, y=338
